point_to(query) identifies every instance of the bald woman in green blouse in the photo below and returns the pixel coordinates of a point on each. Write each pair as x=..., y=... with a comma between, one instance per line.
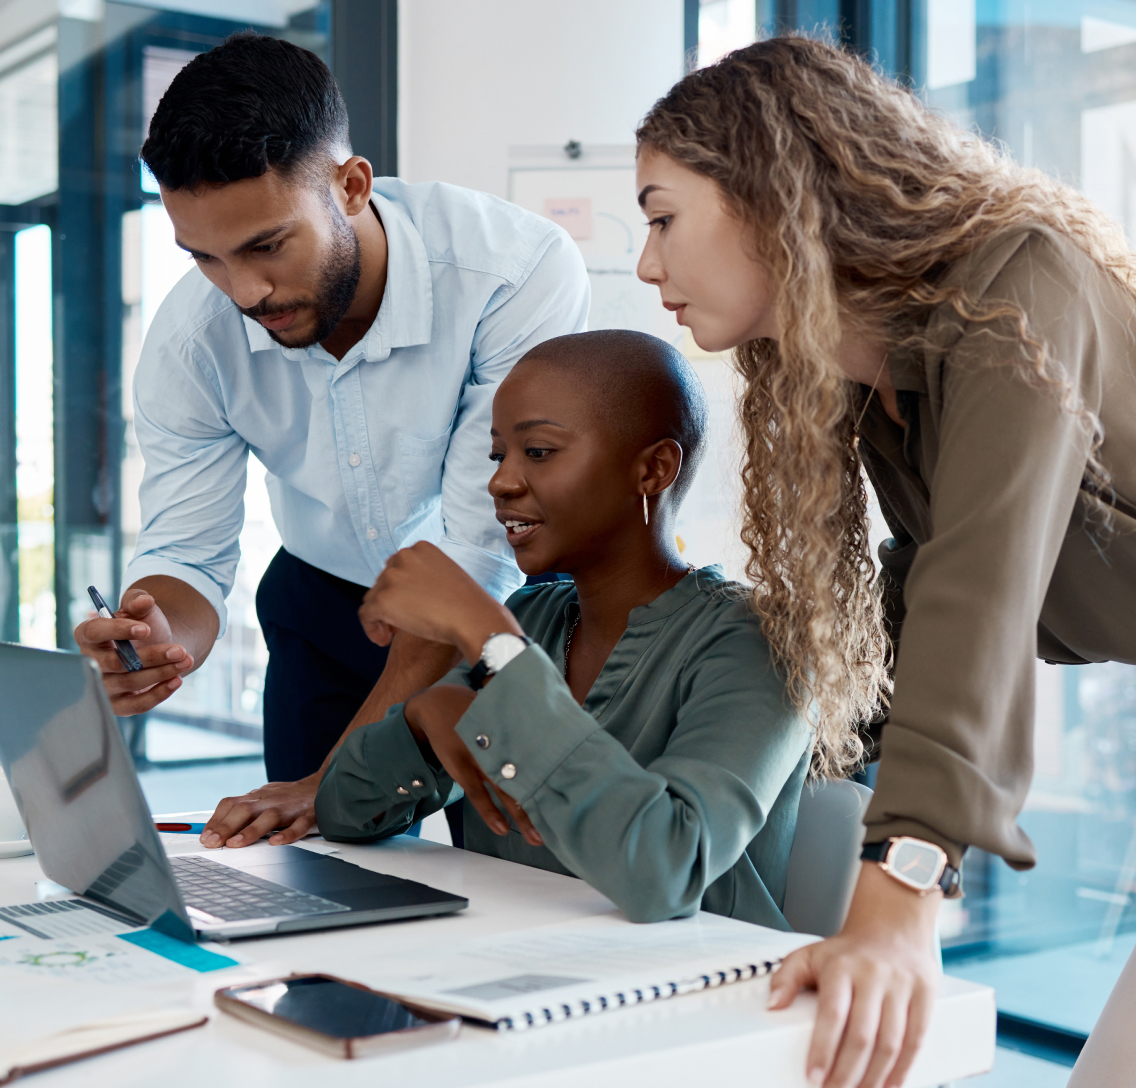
x=628, y=726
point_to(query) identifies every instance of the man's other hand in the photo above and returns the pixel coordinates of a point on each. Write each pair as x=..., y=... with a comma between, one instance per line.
x=241, y=821
x=164, y=662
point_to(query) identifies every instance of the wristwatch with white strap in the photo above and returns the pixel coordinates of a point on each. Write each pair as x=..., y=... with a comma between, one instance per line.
x=918, y=865
x=498, y=651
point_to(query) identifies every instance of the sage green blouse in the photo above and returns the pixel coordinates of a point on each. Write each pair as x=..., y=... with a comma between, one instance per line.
x=673, y=788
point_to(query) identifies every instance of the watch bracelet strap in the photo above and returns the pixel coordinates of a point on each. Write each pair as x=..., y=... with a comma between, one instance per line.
x=477, y=675
x=877, y=851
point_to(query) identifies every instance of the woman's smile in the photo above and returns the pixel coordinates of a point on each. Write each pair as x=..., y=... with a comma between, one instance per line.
x=519, y=528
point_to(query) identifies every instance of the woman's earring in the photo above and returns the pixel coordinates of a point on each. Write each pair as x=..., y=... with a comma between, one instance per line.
x=646, y=512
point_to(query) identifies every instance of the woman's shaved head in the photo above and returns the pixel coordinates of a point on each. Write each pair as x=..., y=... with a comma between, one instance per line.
x=643, y=390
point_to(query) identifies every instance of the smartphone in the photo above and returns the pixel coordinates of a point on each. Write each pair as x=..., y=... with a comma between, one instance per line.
x=341, y=1018
x=131, y=662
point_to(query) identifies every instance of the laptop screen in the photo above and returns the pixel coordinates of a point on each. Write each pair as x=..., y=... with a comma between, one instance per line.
x=75, y=785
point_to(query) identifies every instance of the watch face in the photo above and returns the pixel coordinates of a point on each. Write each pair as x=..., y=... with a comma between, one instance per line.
x=499, y=650
x=916, y=863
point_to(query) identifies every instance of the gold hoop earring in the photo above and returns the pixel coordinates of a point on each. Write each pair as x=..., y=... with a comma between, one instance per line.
x=646, y=512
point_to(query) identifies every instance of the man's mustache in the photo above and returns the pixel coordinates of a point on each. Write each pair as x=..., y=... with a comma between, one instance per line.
x=265, y=309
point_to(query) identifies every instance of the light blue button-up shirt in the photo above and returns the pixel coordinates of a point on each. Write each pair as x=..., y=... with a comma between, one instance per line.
x=367, y=454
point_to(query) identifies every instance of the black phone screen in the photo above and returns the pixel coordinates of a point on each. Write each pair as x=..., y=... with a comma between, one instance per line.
x=331, y=1007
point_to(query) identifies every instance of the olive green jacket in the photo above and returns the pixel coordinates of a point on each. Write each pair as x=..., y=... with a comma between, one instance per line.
x=674, y=787
x=997, y=557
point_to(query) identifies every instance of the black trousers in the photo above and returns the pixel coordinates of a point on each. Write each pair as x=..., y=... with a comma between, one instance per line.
x=321, y=666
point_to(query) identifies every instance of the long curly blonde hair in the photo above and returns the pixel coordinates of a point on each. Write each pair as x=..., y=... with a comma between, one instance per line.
x=858, y=198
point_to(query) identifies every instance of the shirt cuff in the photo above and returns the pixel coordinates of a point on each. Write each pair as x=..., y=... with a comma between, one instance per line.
x=394, y=764
x=498, y=576
x=146, y=566
x=504, y=730
x=376, y=780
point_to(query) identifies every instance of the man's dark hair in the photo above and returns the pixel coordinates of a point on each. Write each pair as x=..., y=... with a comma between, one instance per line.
x=644, y=389
x=252, y=104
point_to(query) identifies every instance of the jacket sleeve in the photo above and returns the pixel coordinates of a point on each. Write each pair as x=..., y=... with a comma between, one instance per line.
x=652, y=838
x=956, y=755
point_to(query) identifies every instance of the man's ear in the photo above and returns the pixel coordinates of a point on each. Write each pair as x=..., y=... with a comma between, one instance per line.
x=658, y=466
x=356, y=179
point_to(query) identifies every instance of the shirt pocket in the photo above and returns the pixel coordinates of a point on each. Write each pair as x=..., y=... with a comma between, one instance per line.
x=422, y=460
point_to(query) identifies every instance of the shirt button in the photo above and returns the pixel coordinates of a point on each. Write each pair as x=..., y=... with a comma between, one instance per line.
x=509, y=771
x=481, y=740
x=372, y=533
x=354, y=460
x=416, y=783
x=402, y=790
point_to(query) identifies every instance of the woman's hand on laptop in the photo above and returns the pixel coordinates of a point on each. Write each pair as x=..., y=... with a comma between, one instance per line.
x=164, y=662
x=424, y=592
x=432, y=716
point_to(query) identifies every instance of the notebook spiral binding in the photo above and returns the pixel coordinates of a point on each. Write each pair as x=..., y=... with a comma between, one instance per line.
x=603, y=1002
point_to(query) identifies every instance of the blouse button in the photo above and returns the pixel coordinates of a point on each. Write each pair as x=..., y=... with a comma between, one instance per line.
x=403, y=790
x=354, y=460
x=482, y=740
x=372, y=533
x=416, y=783
x=509, y=771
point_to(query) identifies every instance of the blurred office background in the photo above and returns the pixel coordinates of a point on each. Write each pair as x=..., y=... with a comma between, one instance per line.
x=536, y=101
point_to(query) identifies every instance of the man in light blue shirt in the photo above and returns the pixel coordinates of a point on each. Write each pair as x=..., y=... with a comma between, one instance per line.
x=350, y=332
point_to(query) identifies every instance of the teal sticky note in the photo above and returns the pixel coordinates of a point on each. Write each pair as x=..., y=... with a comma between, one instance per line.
x=188, y=955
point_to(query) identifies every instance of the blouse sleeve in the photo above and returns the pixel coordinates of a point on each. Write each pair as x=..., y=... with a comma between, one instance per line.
x=956, y=756
x=651, y=838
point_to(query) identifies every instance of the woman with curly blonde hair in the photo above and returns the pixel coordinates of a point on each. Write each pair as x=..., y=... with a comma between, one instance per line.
x=903, y=300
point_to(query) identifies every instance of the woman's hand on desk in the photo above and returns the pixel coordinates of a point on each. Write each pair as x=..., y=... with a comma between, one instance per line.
x=432, y=716
x=875, y=983
x=423, y=591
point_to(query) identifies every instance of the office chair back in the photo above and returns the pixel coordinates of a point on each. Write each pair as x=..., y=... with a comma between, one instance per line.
x=825, y=859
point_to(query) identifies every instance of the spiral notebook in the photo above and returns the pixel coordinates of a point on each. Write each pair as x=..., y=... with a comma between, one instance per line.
x=537, y=977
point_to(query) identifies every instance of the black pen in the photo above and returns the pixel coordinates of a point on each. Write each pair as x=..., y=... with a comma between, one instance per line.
x=131, y=662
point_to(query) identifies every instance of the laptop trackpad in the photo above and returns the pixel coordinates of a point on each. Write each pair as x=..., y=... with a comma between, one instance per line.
x=302, y=869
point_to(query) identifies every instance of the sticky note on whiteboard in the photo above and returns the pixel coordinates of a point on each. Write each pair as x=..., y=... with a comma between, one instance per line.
x=573, y=213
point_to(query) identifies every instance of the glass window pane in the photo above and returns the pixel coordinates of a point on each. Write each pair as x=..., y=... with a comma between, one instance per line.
x=29, y=80
x=35, y=471
x=724, y=25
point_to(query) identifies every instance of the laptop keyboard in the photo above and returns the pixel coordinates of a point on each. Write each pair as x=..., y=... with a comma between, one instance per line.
x=236, y=896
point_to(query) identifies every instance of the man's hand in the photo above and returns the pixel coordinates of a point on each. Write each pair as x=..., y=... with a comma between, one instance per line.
x=413, y=664
x=432, y=716
x=241, y=821
x=875, y=983
x=164, y=661
x=424, y=592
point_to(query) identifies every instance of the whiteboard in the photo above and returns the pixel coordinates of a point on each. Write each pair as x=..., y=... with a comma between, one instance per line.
x=594, y=198
x=610, y=229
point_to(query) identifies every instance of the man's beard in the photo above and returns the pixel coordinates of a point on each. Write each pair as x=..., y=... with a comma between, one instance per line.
x=335, y=288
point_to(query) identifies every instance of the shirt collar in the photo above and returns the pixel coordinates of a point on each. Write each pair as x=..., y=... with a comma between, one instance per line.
x=406, y=315
x=665, y=603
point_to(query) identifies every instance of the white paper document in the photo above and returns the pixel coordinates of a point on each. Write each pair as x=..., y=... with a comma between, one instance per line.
x=58, y=918
x=541, y=976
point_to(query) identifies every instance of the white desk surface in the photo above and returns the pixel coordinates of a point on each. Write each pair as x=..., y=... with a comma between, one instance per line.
x=701, y=1038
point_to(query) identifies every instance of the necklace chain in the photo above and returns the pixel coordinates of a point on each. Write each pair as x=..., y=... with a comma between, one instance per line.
x=690, y=568
x=864, y=410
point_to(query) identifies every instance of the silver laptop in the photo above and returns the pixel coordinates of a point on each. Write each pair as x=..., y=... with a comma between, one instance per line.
x=88, y=821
